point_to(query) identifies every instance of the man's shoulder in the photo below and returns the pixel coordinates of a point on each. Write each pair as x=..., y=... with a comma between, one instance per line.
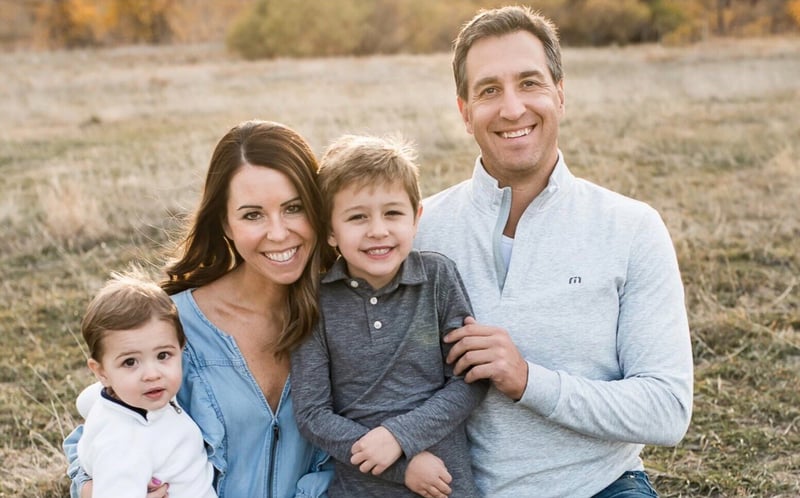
x=443, y=197
x=602, y=199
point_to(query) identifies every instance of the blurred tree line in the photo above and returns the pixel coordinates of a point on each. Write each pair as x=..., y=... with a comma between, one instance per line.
x=269, y=28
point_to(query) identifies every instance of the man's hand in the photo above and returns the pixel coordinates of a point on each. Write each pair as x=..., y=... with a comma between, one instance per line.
x=427, y=476
x=484, y=352
x=375, y=451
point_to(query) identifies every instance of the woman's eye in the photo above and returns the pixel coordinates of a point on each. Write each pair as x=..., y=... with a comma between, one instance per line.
x=356, y=217
x=294, y=208
x=252, y=215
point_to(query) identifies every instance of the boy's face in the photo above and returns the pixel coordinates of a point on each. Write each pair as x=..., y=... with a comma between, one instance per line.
x=374, y=229
x=142, y=365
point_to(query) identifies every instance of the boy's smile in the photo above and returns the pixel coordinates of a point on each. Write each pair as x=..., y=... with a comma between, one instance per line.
x=373, y=228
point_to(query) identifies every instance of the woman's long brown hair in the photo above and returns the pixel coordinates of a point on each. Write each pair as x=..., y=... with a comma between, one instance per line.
x=203, y=255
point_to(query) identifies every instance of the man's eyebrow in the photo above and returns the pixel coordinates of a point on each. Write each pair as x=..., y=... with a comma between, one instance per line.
x=488, y=80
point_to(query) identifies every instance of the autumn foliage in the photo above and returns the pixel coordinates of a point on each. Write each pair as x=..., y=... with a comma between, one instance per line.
x=269, y=28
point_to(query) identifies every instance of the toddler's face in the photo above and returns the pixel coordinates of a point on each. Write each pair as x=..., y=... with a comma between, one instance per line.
x=142, y=365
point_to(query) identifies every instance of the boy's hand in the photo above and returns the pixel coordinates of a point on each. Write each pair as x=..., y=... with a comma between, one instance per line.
x=427, y=476
x=375, y=451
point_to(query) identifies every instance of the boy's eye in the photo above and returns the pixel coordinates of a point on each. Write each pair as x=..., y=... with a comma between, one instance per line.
x=164, y=355
x=394, y=213
x=128, y=362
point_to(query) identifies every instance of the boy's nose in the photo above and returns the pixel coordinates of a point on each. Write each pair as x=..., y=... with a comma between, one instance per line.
x=378, y=229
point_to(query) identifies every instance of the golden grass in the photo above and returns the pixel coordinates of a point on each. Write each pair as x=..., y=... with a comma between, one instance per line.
x=101, y=150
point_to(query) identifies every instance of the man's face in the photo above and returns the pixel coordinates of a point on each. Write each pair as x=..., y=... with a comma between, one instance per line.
x=513, y=107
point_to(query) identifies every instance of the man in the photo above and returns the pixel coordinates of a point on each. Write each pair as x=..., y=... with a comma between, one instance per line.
x=581, y=323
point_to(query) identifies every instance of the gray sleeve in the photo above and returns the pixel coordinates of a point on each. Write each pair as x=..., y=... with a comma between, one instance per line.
x=652, y=403
x=427, y=424
x=313, y=405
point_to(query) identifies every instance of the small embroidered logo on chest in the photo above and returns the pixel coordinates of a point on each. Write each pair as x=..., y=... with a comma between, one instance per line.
x=574, y=280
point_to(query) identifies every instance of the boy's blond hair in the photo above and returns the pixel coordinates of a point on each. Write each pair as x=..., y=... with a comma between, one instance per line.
x=127, y=301
x=364, y=160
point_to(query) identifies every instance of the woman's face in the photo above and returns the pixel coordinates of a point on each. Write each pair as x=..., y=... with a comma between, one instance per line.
x=268, y=224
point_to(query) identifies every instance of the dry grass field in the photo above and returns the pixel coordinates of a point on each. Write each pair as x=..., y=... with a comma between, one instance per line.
x=102, y=152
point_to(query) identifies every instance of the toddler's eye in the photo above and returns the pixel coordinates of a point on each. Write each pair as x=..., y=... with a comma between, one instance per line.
x=128, y=362
x=164, y=355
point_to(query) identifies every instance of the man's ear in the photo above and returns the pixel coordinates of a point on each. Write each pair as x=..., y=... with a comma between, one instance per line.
x=97, y=370
x=463, y=108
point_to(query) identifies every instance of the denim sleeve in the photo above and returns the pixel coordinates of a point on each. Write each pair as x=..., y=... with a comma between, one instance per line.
x=315, y=483
x=74, y=471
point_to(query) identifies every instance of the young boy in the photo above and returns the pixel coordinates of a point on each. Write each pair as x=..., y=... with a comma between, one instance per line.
x=371, y=386
x=134, y=429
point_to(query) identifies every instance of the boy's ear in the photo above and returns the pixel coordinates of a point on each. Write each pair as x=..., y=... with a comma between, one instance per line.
x=419, y=212
x=97, y=370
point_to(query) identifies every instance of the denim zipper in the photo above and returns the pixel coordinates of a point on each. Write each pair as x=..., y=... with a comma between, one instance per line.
x=272, y=454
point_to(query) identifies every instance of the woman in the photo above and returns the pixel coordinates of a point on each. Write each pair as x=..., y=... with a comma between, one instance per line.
x=245, y=284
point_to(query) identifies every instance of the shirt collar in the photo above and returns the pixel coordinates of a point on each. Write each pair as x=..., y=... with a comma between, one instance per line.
x=412, y=272
x=105, y=394
x=487, y=193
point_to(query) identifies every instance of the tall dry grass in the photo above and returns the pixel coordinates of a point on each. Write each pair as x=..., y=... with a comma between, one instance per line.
x=102, y=152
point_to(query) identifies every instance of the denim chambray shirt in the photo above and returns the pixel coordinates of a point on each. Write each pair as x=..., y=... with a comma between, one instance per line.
x=256, y=453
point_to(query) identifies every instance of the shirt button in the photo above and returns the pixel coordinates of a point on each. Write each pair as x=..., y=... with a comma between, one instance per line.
x=353, y=284
x=373, y=300
x=377, y=325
